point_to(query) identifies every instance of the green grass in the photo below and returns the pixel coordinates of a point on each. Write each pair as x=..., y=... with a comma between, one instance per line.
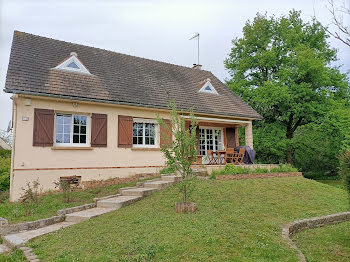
x=329, y=243
x=237, y=221
x=49, y=204
x=14, y=255
x=335, y=183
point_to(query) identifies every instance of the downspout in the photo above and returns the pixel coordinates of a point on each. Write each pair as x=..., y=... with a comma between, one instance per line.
x=14, y=127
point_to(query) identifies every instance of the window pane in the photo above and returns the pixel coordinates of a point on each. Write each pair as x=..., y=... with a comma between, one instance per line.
x=151, y=141
x=59, y=138
x=59, y=128
x=76, y=129
x=66, y=119
x=83, y=130
x=134, y=140
x=147, y=140
x=76, y=120
x=83, y=120
x=140, y=132
x=59, y=119
x=66, y=138
x=75, y=138
x=73, y=65
x=139, y=140
x=66, y=129
x=146, y=132
x=83, y=139
x=134, y=132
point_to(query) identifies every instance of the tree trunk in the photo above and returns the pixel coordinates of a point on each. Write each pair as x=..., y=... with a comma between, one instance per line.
x=290, y=149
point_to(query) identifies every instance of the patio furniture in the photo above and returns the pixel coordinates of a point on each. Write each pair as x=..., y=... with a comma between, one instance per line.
x=238, y=156
x=221, y=156
x=211, y=157
x=229, y=155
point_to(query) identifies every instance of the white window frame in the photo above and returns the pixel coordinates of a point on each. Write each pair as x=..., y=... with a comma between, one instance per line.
x=64, y=66
x=208, y=83
x=71, y=144
x=156, y=134
x=221, y=140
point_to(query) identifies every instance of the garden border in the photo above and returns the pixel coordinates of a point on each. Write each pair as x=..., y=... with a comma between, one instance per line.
x=290, y=229
x=258, y=175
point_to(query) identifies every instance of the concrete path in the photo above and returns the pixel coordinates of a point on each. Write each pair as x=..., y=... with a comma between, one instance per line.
x=127, y=196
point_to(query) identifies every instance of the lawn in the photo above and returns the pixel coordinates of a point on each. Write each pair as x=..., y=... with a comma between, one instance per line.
x=237, y=221
x=49, y=204
x=329, y=243
x=336, y=183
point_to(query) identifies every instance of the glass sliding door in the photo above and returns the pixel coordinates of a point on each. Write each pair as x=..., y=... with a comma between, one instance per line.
x=210, y=139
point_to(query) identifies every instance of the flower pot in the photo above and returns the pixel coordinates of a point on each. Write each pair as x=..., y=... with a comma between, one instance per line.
x=185, y=207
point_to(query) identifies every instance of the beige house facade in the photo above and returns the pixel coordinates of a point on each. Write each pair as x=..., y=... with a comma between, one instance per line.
x=75, y=116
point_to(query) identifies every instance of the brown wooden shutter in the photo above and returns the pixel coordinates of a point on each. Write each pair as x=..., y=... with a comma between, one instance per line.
x=230, y=138
x=166, y=134
x=43, y=127
x=99, y=130
x=125, y=124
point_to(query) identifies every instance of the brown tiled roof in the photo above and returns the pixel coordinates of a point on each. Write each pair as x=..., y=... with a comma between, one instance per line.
x=115, y=78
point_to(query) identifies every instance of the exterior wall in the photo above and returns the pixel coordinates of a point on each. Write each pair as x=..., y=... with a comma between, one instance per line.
x=48, y=164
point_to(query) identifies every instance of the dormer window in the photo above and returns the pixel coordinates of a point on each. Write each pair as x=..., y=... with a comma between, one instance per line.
x=73, y=64
x=208, y=88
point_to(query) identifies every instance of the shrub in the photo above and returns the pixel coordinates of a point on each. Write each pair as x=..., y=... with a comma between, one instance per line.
x=231, y=169
x=5, y=153
x=30, y=197
x=5, y=166
x=283, y=168
x=345, y=170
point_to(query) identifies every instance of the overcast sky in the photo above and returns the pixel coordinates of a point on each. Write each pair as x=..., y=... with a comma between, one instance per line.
x=152, y=29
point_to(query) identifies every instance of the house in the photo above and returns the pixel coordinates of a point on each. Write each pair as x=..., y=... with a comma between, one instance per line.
x=88, y=112
x=4, y=145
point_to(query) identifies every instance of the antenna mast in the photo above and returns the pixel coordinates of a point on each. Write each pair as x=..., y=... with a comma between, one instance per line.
x=196, y=36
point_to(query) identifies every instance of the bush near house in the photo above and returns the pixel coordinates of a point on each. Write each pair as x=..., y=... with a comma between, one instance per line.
x=5, y=166
x=231, y=169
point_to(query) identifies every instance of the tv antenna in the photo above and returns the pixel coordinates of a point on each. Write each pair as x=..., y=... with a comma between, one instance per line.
x=194, y=37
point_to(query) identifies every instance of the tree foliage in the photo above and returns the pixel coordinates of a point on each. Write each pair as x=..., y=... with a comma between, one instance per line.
x=281, y=67
x=182, y=150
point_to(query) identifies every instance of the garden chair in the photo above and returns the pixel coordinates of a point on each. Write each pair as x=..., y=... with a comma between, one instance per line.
x=211, y=157
x=229, y=155
x=238, y=156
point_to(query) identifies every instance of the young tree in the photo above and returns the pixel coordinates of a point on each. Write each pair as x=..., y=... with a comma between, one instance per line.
x=281, y=67
x=182, y=150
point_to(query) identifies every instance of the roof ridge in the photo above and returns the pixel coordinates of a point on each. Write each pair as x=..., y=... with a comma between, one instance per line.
x=110, y=51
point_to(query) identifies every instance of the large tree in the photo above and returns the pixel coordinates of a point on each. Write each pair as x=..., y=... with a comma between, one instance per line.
x=281, y=67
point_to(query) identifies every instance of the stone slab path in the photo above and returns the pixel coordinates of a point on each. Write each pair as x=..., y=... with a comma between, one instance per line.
x=127, y=196
x=18, y=239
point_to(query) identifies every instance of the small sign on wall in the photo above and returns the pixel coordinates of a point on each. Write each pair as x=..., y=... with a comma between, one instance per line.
x=25, y=118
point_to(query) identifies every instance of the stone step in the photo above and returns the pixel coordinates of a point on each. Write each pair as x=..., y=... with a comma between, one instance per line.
x=171, y=178
x=87, y=214
x=138, y=191
x=158, y=184
x=200, y=172
x=117, y=202
x=17, y=239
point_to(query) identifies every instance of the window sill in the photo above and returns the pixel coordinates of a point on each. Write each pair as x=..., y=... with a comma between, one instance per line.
x=145, y=148
x=71, y=148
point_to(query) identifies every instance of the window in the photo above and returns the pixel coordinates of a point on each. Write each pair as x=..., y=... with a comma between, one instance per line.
x=71, y=130
x=208, y=88
x=210, y=139
x=144, y=133
x=73, y=64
